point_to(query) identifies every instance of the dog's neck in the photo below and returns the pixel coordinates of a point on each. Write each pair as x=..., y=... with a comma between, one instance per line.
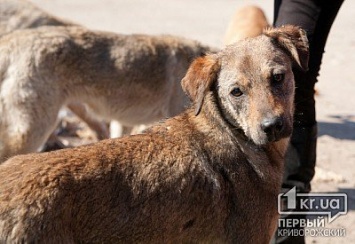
x=214, y=113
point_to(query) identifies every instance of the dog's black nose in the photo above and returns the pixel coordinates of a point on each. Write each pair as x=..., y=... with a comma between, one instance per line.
x=272, y=126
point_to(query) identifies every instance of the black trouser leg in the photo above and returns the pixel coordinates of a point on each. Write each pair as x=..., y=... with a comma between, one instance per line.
x=316, y=17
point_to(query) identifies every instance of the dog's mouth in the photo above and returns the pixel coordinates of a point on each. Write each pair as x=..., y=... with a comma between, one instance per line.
x=270, y=138
x=275, y=136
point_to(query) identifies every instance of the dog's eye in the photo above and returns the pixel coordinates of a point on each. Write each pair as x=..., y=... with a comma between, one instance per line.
x=236, y=92
x=278, y=77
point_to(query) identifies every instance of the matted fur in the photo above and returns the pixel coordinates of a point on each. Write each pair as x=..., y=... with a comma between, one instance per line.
x=207, y=178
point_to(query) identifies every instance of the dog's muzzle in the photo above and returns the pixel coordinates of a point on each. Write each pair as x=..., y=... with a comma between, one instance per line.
x=273, y=128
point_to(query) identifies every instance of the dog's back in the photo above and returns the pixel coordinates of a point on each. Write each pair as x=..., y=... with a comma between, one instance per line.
x=105, y=69
x=21, y=14
x=248, y=21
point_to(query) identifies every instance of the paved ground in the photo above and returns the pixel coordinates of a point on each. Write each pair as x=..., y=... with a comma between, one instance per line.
x=206, y=21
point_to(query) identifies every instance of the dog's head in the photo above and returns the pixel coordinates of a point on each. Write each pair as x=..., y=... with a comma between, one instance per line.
x=253, y=82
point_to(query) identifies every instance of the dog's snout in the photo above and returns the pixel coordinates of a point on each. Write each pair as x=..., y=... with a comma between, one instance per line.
x=272, y=126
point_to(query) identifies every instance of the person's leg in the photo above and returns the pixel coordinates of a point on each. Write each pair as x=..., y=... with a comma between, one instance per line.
x=305, y=131
x=316, y=17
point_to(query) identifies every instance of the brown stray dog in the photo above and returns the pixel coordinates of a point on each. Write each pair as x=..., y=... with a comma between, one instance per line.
x=209, y=175
x=249, y=21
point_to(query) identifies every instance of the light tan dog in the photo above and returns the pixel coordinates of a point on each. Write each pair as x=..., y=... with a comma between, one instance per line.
x=134, y=79
x=22, y=14
x=209, y=175
x=249, y=21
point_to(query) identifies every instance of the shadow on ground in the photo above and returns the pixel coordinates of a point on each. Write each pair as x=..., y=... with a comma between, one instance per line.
x=344, y=129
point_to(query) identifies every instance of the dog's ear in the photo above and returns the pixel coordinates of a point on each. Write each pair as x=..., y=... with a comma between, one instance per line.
x=294, y=41
x=199, y=78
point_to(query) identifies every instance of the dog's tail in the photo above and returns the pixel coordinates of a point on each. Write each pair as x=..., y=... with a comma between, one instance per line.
x=248, y=21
